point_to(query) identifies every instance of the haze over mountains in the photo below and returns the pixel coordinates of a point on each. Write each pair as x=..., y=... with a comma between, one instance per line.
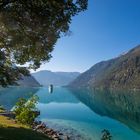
x=46, y=77
x=28, y=81
x=122, y=72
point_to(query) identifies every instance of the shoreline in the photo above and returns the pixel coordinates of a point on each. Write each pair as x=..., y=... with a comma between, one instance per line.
x=72, y=133
x=41, y=127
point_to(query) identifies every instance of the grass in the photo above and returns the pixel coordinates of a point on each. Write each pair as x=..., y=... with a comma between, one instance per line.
x=1, y=110
x=10, y=130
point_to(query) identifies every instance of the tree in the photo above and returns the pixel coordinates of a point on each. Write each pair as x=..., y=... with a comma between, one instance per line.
x=29, y=30
x=9, y=73
x=25, y=110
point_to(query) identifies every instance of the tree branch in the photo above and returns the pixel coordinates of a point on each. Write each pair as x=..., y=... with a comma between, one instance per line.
x=3, y=3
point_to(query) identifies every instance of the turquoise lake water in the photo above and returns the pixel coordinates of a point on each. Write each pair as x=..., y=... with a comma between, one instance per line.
x=83, y=114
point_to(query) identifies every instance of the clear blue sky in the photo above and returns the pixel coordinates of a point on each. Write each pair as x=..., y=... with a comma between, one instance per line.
x=107, y=29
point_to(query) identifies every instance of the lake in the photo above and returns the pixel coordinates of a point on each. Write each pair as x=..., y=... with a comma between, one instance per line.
x=83, y=114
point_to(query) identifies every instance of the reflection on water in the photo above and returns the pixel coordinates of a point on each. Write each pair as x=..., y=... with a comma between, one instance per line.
x=59, y=95
x=123, y=106
x=83, y=114
x=9, y=96
x=89, y=112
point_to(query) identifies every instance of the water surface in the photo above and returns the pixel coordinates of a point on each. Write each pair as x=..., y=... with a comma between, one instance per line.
x=83, y=114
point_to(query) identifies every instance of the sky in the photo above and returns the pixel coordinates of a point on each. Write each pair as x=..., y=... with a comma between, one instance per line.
x=107, y=29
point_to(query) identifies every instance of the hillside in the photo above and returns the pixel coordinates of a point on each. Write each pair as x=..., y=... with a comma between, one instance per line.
x=28, y=81
x=46, y=78
x=122, y=72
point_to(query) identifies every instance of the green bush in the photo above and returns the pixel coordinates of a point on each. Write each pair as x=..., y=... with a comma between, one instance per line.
x=25, y=110
x=2, y=108
x=106, y=135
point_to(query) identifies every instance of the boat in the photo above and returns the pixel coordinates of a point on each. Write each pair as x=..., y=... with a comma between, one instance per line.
x=50, y=88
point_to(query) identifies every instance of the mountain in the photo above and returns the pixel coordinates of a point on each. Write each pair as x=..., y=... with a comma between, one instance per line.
x=122, y=72
x=28, y=81
x=46, y=77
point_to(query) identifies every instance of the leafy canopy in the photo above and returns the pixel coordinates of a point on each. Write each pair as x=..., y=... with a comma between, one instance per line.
x=29, y=30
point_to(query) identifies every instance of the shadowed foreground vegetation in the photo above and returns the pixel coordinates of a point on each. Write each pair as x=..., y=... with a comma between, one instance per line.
x=10, y=130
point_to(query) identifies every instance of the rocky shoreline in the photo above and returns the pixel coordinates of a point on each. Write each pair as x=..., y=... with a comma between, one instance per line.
x=41, y=127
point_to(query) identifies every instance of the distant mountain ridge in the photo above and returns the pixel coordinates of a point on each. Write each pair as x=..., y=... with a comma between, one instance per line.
x=46, y=77
x=122, y=72
x=28, y=81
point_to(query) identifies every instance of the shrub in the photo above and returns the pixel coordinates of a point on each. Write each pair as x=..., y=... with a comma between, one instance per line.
x=2, y=108
x=25, y=110
x=106, y=135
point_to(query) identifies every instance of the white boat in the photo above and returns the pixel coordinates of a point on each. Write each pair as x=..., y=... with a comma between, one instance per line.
x=50, y=88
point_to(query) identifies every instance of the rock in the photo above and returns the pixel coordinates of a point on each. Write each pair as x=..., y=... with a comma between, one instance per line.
x=51, y=132
x=37, y=127
x=56, y=139
x=65, y=138
x=39, y=130
x=42, y=128
x=60, y=133
x=42, y=125
x=55, y=136
x=48, y=130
